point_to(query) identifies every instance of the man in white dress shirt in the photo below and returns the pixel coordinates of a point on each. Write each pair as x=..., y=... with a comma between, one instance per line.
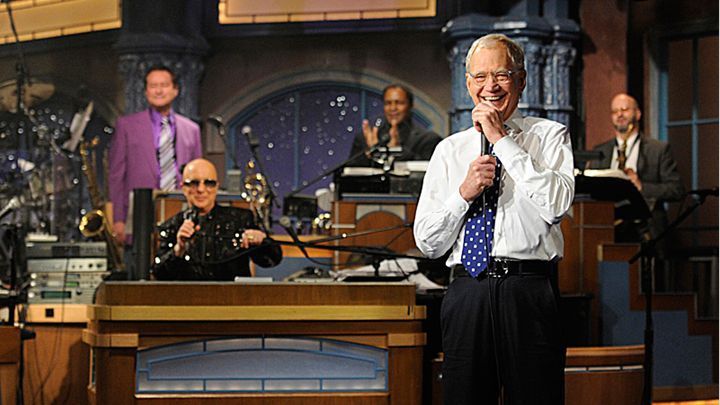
x=498, y=211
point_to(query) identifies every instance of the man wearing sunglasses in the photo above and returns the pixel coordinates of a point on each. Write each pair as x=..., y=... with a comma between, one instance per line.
x=210, y=241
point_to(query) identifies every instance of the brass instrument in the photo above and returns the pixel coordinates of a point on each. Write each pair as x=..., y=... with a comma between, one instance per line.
x=257, y=194
x=322, y=224
x=95, y=223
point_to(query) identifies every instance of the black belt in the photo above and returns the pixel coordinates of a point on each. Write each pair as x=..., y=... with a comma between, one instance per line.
x=499, y=268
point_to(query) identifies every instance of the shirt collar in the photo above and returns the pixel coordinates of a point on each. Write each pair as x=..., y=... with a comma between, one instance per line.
x=630, y=140
x=514, y=121
x=156, y=117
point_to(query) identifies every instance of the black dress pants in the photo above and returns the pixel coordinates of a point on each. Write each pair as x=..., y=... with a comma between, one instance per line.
x=517, y=346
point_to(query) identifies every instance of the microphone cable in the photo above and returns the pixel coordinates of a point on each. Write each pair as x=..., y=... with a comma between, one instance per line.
x=491, y=289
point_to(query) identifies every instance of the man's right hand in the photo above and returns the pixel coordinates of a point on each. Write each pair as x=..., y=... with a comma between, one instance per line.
x=479, y=176
x=119, y=232
x=370, y=133
x=182, y=238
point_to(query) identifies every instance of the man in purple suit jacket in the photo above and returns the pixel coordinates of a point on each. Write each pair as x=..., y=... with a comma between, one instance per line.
x=134, y=156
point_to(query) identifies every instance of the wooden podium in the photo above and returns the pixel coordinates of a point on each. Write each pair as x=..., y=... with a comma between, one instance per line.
x=134, y=329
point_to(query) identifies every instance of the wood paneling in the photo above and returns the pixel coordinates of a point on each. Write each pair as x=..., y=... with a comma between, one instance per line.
x=115, y=366
x=56, y=365
x=9, y=363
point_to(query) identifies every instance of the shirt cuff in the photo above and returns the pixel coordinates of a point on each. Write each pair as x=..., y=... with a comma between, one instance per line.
x=457, y=205
x=506, y=146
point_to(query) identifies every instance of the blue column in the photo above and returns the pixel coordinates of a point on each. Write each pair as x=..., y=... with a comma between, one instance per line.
x=549, y=55
x=459, y=34
x=559, y=61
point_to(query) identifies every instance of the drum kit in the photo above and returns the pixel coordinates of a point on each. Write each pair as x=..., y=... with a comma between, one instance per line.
x=40, y=176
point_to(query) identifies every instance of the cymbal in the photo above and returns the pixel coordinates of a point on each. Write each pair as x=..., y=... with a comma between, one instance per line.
x=34, y=92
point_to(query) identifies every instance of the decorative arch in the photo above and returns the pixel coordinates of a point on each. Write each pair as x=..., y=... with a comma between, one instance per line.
x=306, y=121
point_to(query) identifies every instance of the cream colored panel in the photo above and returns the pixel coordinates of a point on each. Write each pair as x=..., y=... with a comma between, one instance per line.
x=253, y=11
x=272, y=18
x=244, y=7
x=343, y=16
x=52, y=18
x=365, y=209
x=369, y=15
x=255, y=313
x=307, y=17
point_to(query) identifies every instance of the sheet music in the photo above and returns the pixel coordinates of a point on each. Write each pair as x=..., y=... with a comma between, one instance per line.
x=605, y=173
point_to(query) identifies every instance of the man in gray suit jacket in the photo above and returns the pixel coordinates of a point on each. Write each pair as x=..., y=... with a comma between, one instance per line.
x=135, y=149
x=648, y=162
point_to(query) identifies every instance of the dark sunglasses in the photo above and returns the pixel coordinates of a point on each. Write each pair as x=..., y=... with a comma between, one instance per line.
x=194, y=183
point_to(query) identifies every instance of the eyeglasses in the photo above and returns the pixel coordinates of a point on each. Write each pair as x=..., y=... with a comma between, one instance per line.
x=501, y=76
x=195, y=183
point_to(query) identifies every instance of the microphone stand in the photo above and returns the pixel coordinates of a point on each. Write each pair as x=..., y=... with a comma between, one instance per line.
x=218, y=123
x=378, y=255
x=647, y=248
x=254, y=144
x=377, y=147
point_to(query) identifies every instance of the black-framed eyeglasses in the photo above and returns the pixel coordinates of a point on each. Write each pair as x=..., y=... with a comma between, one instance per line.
x=501, y=76
x=195, y=183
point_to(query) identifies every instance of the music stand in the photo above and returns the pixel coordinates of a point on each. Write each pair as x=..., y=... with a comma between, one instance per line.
x=629, y=203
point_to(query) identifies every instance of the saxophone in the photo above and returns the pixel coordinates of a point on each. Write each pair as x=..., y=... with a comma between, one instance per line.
x=95, y=222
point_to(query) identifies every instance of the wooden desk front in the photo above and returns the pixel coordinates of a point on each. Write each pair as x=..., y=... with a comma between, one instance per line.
x=129, y=317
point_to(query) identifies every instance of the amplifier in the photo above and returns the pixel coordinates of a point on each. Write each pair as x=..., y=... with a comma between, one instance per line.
x=55, y=249
x=70, y=280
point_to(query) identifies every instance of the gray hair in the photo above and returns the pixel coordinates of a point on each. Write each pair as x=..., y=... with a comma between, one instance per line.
x=514, y=50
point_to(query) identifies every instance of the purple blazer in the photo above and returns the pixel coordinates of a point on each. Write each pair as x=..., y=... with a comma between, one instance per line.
x=133, y=161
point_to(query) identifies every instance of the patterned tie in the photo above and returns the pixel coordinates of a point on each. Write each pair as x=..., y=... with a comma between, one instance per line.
x=621, y=155
x=166, y=156
x=480, y=227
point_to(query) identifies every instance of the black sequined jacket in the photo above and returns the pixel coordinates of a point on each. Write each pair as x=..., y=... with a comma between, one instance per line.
x=214, y=253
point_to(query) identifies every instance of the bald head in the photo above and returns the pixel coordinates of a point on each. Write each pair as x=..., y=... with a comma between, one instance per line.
x=200, y=184
x=199, y=166
x=624, y=99
x=625, y=115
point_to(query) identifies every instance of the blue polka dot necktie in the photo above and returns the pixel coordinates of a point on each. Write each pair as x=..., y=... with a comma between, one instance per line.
x=480, y=226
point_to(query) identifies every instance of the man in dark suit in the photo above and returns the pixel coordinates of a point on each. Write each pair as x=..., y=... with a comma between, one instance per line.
x=149, y=147
x=396, y=129
x=648, y=162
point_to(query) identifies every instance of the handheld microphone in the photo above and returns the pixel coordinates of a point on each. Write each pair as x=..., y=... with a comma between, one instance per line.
x=252, y=139
x=486, y=145
x=286, y=224
x=485, y=142
x=193, y=215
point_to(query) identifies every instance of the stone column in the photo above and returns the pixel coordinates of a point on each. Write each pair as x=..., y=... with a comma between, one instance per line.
x=549, y=55
x=458, y=35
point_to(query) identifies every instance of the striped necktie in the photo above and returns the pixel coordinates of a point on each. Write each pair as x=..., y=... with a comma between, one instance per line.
x=166, y=155
x=480, y=228
x=621, y=157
